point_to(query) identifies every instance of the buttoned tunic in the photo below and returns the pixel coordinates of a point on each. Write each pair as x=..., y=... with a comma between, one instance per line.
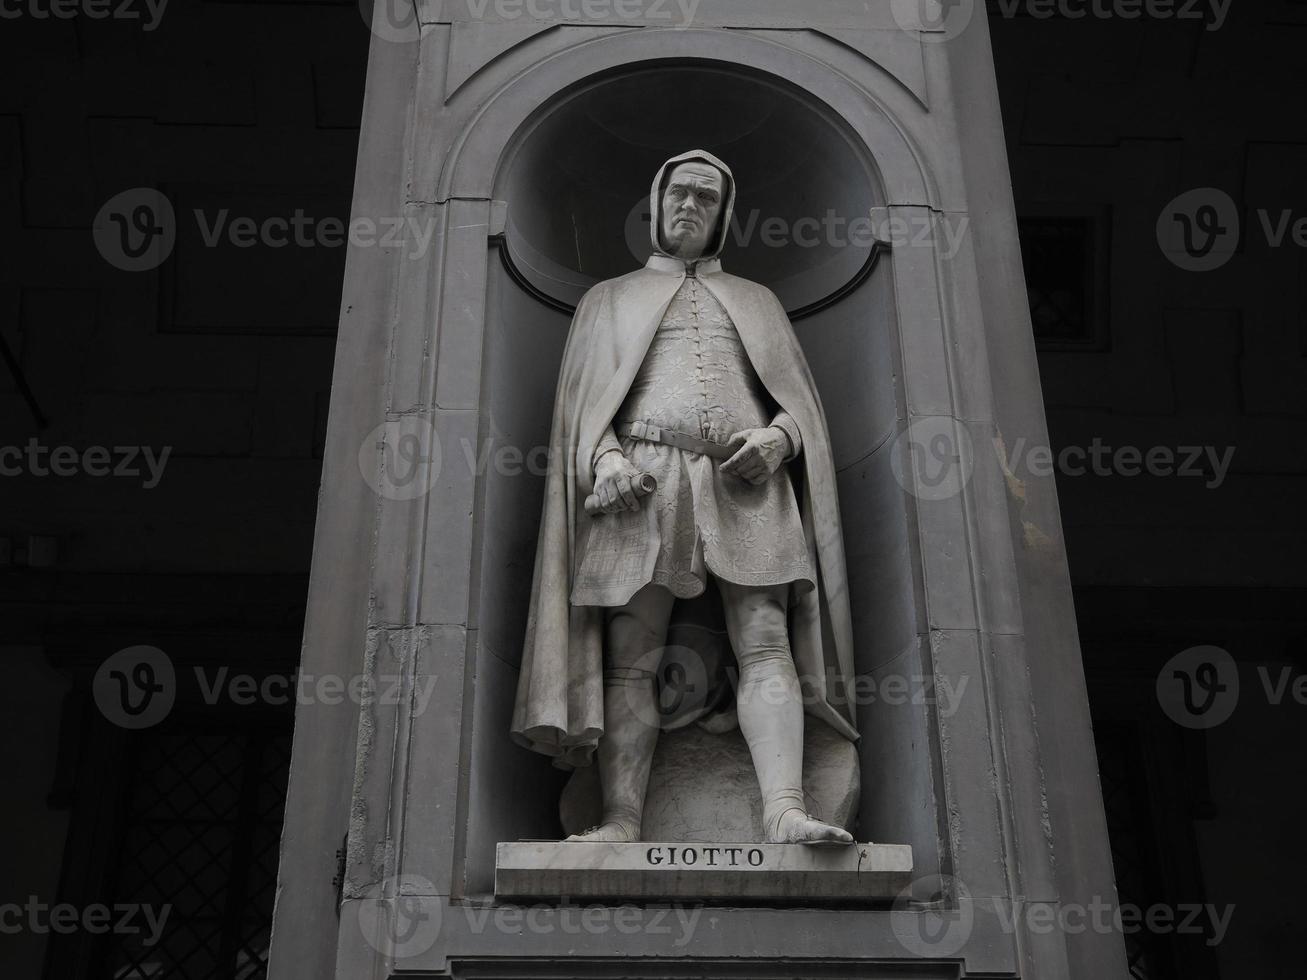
x=697, y=379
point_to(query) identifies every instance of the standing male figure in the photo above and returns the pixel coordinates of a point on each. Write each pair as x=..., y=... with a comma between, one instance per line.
x=695, y=377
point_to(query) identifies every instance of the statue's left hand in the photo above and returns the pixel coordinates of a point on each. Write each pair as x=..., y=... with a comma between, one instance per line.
x=760, y=454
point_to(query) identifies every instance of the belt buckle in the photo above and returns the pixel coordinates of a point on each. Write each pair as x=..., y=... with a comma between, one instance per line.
x=653, y=433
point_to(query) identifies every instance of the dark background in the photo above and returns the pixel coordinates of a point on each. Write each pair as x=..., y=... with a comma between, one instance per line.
x=223, y=355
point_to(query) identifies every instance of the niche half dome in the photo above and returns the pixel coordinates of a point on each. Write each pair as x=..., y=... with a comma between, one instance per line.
x=577, y=183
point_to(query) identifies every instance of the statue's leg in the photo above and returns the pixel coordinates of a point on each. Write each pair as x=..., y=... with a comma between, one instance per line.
x=770, y=705
x=636, y=634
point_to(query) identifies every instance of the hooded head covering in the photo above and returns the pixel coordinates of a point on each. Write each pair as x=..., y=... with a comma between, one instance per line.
x=718, y=242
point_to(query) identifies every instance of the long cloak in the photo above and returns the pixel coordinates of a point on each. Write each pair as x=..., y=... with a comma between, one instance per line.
x=560, y=704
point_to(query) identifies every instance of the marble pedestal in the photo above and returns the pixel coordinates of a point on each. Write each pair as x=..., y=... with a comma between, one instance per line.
x=708, y=872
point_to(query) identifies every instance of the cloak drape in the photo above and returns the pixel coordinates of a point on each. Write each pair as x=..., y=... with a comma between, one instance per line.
x=560, y=705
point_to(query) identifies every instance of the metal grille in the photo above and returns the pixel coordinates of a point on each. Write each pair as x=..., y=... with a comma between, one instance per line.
x=200, y=841
x=1058, y=256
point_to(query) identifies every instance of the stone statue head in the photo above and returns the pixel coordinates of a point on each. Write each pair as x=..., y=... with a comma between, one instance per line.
x=693, y=196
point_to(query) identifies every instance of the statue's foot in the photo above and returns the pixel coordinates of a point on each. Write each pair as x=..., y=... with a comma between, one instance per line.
x=796, y=827
x=612, y=832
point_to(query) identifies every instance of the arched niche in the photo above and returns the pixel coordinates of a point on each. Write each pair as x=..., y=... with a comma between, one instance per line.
x=570, y=177
x=577, y=182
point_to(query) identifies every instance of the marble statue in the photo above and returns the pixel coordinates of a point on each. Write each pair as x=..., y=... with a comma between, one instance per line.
x=687, y=417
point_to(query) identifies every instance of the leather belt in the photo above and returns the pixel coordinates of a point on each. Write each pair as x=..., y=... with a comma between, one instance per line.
x=673, y=438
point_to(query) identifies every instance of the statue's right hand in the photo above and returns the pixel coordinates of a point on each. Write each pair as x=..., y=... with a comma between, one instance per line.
x=614, y=474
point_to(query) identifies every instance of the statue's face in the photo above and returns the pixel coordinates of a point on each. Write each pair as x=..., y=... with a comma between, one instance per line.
x=692, y=206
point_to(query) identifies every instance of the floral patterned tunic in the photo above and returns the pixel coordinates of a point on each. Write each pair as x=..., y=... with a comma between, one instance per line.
x=696, y=378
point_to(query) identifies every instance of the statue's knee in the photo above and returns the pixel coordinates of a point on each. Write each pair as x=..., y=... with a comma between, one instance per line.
x=754, y=608
x=766, y=658
x=641, y=628
x=644, y=617
x=764, y=634
x=764, y=647
x=763, y=604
